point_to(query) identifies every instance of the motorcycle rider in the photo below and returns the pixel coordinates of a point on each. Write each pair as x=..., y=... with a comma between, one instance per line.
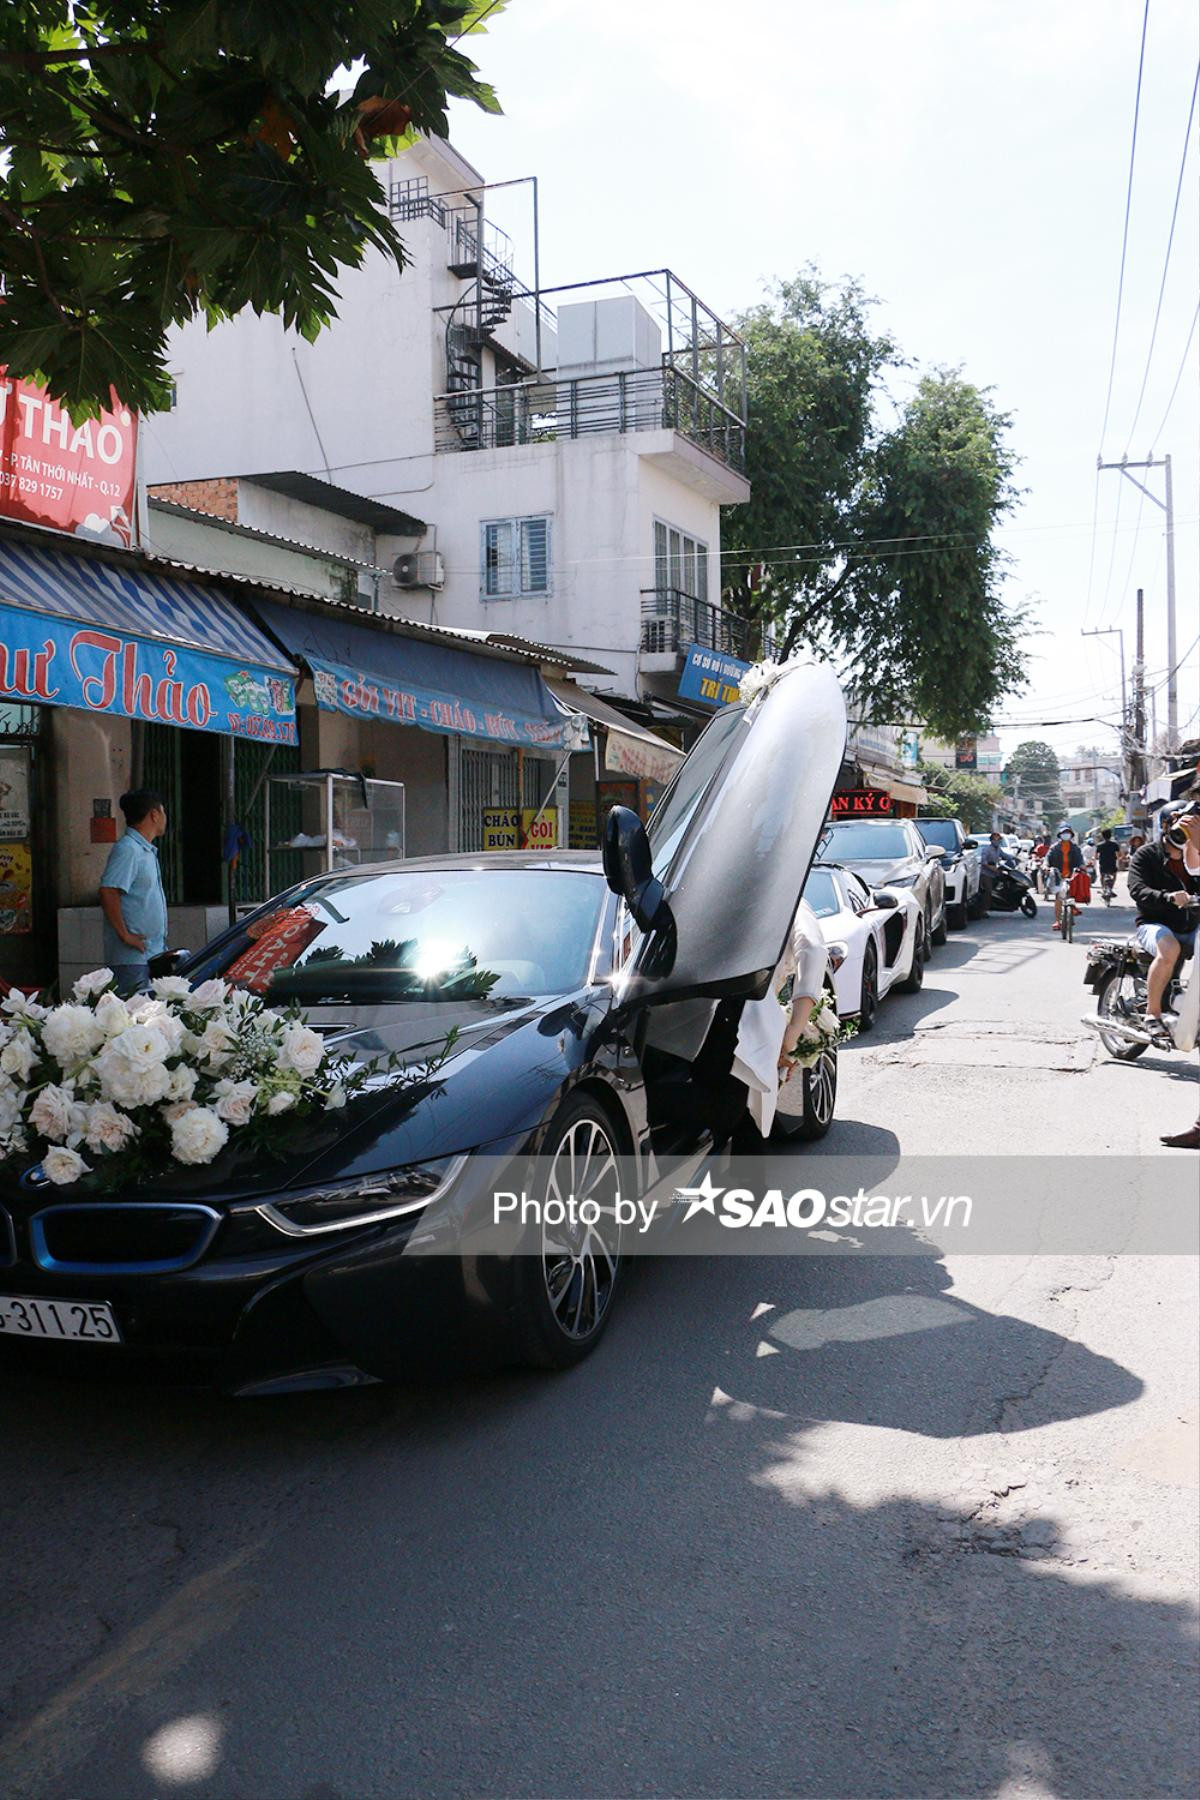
x=992, y=857
x=1106, y=861
x=1061, y=863
x=1160, y=887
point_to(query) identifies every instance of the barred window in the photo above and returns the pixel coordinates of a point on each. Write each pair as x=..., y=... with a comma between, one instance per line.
x=516, y=558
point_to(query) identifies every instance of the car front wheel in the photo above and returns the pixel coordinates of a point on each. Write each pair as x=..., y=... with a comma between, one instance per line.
x=567, y=1279
x=868, y=1003
x=915, y=978
x=938, y=935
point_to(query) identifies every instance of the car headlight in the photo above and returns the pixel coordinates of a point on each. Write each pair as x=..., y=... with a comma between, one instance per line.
x=368, y=1200
x=837, y=954
x=903, y=881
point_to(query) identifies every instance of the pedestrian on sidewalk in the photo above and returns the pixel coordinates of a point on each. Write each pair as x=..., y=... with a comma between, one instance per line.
x=131, y=892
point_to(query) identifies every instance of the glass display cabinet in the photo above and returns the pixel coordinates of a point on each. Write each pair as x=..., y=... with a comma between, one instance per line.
x=345, y=820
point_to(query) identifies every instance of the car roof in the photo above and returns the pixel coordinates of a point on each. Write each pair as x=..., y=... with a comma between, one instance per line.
x=578, y=862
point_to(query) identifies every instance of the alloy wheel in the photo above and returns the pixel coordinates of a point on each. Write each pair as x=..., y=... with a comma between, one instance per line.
x=579, y=1260
x=820, y=1091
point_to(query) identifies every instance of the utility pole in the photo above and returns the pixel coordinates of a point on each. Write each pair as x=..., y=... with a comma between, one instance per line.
x=1166, y=506
x=1138, y=748
x=1115, y=631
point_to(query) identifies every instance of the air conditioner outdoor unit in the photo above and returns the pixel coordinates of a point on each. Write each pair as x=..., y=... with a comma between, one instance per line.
x=419, y=569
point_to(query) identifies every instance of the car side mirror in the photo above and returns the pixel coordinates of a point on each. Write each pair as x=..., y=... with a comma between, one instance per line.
x=935, y=853
x=970, y=843
x=885, y=902
x=628, y=870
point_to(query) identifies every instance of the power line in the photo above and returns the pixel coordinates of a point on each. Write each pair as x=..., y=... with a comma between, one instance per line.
x=1178, y=378
x=1087, y=602
x=1137, y=106
x=1112, y=554
x=1137, y=527
x=1162, y=286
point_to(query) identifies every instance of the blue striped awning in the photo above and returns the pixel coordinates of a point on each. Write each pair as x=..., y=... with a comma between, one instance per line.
x=106, y=635
x=99, y=592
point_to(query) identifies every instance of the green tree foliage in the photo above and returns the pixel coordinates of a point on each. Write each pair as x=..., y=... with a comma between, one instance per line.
x=874, y=544
x=954, y=795
x=1032, y=773
x=928, y=629
x=164, y=158
x=813, y=367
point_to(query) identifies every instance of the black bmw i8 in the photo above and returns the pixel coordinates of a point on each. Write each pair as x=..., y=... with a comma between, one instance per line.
x=518, y=1011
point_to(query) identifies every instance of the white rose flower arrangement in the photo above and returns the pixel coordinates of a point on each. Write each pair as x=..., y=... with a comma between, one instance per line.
x=118, y=1090
x=761, y=677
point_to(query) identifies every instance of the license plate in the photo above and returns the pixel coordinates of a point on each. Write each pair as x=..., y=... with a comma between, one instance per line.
x=79, y=1321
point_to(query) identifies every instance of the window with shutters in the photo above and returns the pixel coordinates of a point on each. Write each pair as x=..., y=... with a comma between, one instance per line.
x=515, y=558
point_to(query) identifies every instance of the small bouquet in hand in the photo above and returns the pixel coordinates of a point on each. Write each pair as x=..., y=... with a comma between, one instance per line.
x=823, y=1031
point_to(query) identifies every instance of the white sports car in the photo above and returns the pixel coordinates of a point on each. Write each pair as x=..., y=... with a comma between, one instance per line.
x=872, y=936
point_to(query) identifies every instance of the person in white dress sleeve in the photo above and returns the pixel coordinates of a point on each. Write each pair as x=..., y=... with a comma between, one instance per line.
x=768, y=1033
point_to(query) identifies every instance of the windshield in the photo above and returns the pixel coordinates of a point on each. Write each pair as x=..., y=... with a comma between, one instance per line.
x=868, y=843
x=428, y=935
x=943, y=832
x=820, y=891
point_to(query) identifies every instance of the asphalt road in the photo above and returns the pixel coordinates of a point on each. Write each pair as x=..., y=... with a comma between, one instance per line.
x=782, y=1534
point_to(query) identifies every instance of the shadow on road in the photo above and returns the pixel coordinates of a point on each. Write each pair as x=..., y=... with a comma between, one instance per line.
x=622, y=1581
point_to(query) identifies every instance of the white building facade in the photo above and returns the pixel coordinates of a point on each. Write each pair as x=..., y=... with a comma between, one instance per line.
x=566, y=453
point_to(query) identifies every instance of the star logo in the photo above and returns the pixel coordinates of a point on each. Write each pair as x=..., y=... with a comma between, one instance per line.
x=700, y=1199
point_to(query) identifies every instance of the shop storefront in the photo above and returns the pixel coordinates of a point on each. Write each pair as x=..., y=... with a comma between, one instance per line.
x=474, y=734
x=629, y=765
x=114, y=674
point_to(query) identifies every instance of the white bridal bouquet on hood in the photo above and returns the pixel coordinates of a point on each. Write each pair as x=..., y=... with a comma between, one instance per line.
x=123, y=1088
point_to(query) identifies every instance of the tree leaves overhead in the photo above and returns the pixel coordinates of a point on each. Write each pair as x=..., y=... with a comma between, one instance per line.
x=874, y=542
x=164, y=158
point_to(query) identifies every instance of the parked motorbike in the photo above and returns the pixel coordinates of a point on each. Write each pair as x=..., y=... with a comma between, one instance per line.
x=1013, y=892
x=1116, y=973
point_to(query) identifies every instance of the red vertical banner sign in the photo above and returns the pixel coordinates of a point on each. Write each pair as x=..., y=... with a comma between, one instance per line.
x=75, y=478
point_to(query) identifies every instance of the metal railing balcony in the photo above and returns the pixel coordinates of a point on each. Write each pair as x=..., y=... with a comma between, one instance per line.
x=672, y=621
x=545, y=411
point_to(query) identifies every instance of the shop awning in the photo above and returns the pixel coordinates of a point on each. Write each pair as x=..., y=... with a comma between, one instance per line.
x=629, y=748
x=99, y=632
x=905, y=790
x=376, y=672
x=1169, y=787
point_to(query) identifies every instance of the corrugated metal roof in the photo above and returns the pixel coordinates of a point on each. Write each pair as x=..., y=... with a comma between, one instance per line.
x=236, y=529
x=311, y=490
x=488, y=643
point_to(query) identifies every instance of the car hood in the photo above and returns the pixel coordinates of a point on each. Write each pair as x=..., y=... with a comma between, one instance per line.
x=492, y=1082
x=878, y=872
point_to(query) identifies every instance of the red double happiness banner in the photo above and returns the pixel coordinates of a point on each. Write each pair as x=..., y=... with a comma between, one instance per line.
x=76, y=478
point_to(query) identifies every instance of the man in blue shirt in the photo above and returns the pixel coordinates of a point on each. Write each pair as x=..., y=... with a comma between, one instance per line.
x=131, y=892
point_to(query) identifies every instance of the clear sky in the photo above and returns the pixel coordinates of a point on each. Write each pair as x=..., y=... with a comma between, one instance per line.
x=968, y=160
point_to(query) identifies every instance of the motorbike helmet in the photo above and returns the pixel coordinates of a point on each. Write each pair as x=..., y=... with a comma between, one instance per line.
x=1171, y=823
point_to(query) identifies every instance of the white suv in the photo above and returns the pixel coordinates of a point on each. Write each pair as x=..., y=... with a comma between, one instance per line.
x=959, y=864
